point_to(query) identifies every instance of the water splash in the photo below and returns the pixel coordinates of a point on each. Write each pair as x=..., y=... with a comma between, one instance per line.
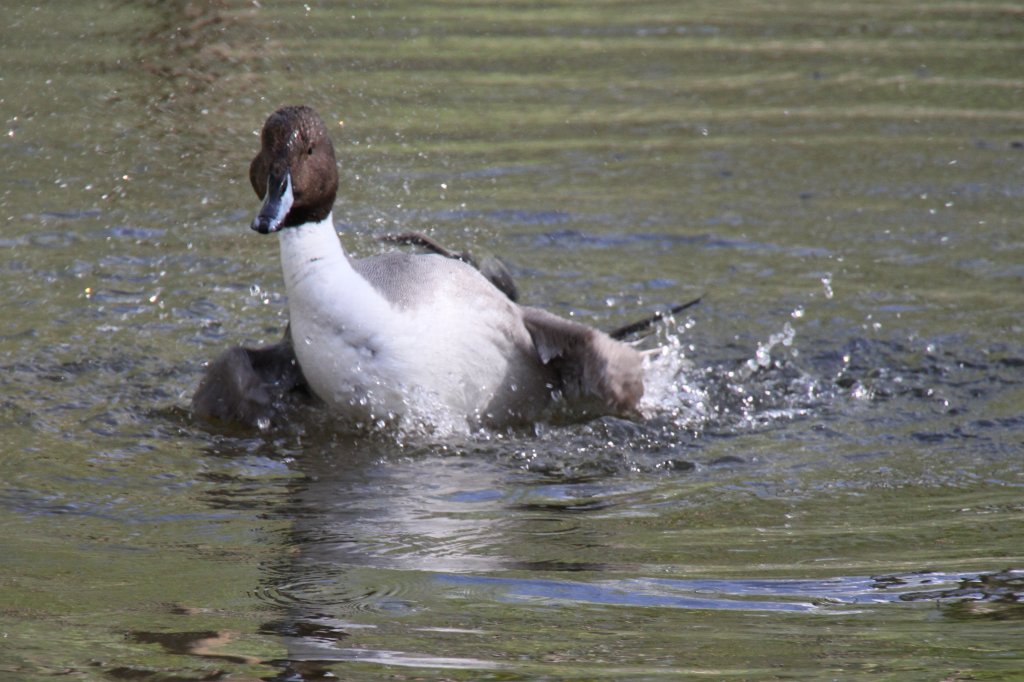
x=750, y=392
x=763, y=356
x=670, y=389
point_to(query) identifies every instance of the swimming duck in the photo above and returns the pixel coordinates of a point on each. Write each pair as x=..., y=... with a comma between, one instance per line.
x=401, y=338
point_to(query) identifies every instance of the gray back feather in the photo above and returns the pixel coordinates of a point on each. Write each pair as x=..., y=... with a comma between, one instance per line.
x=410, y=280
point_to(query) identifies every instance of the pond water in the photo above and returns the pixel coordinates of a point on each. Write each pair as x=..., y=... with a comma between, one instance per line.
x=830, y=480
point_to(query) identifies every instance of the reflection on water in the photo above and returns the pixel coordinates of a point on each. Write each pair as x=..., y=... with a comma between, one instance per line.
x=828, y=483
x=420, y=540
x=315, y=640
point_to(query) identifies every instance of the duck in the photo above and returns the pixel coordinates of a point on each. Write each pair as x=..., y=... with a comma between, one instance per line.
x=401, y=339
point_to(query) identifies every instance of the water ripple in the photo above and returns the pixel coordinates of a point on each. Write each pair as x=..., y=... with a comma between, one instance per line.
x=794, y=595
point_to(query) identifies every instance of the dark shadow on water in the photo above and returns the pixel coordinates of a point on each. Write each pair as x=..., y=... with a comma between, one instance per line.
x=987, y=596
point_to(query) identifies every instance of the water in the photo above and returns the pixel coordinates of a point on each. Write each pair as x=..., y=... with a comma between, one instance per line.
x=829, y=485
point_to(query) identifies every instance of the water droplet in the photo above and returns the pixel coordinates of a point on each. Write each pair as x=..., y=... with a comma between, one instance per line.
x=788, y=334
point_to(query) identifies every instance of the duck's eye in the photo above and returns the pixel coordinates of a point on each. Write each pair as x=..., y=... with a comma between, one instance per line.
x=310, y=150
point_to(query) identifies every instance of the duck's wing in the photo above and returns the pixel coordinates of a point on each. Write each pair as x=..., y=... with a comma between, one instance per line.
x=589, y=364
x=244, y=385
x=497, y=272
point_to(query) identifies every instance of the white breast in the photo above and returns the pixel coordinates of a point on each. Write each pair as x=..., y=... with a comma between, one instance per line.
x=432, y=342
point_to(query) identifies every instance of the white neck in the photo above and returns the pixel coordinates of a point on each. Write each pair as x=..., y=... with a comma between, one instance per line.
x=322, y=285
x=305, y=247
